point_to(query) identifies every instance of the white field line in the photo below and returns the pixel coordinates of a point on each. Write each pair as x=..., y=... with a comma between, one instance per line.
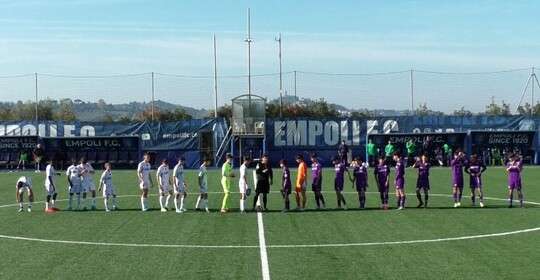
x=262, y=248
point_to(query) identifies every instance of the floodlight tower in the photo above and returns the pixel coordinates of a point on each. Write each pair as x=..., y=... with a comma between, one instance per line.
x=532, y=81
x=248, y=40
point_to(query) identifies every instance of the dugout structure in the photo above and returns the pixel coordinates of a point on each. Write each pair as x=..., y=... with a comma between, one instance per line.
x=248, y=126
x=496, y=146
x=120, y=151
x=11, y=148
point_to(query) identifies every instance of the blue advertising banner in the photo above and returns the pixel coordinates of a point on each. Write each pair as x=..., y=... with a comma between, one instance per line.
x=154, y=136
x=287, y=137
x=165, y=140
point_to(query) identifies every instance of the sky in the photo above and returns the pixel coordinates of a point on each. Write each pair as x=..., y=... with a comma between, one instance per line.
x=116, y=37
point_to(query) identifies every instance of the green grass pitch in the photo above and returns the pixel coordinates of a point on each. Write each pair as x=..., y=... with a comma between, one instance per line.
x=498, y=257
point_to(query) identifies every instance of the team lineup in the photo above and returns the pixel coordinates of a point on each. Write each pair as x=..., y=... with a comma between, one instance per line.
x=82, y=187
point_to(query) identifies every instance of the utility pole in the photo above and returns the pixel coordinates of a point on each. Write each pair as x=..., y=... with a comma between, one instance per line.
x=532, y=91
x=153, y=100
x=215, y=80
x=412, y=91
x=248, y=40
x=37, y=103
x=295, y=85
x=278, y=39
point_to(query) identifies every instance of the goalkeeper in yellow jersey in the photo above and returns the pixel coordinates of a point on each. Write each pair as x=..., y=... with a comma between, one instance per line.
x=227, y=175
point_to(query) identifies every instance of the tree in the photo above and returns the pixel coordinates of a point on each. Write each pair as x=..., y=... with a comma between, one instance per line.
x=494, y=109
x=224, y=111
x=462, y=112
x=65, y=111
x=163, y=116
x=107, y=118
x=526, y=109
x=424, y=110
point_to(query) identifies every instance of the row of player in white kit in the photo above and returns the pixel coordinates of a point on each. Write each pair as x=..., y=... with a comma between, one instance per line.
x=80, y=183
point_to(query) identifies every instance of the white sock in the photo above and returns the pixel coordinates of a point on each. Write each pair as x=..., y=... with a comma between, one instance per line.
x=83, y=201
x=94, y=201
x=114, y=201
x=47, y=206
x=70, y=201
x=198, y=202
x=176, y=204
x=143, y=203
x=206, y=204
x=78, y=200
x=167, y=201
x=20, y=205
x=242, y=205
x=106, y=203
x=182, y=202
x=161, y=200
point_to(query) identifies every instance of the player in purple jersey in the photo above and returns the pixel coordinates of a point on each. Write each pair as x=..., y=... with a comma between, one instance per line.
x=360, y=179
x=399, y=182
x=340, y=168
x=475, y=168
x=514, y=169
x=316, y=181
x=422, y=183
x=457, y=164
x=382, y=176
x=285, y=184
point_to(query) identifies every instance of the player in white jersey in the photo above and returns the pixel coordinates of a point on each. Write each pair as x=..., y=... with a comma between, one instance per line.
x=203, y=186
x=50, y=187
x=106, y=184
x=74, y=179
x=145, y=180
x=243, y=183
x=24, y=184
x=163, y=176
x=179, y=185
x=88, y=186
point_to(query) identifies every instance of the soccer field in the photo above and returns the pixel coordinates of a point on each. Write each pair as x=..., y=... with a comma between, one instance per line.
x=435, y=243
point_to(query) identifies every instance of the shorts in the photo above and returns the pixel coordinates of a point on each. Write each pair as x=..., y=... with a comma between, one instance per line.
x=338, y=185
x=382, y=188
x=144, y=185
x=286, y=190
x=181, y=188
x=50, y=190
x=301, y=188
x=226, y=184
x=360, y=187
x=242, y=187
x=75, y=187
x=203, y=188
x=422, y=184
x=515, y=186
x=24, y=189
x=457, y=183
x=88, y=186
x=164, y=189
x=399, y=183
x=109, y=191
